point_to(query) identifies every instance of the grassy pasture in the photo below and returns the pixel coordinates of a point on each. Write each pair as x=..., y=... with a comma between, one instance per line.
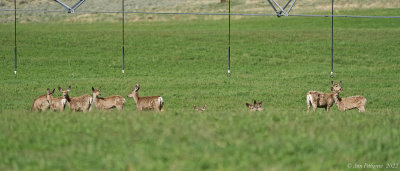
x=273, y=60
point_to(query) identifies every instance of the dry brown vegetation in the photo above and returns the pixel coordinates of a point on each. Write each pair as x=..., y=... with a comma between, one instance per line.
x=237, y=6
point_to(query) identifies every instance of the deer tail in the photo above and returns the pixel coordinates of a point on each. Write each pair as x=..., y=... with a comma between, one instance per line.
x=309, y=99
x=160, y=100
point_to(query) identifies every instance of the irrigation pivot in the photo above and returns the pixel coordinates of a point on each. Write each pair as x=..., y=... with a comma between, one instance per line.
x=70, y=9
x=281, y=9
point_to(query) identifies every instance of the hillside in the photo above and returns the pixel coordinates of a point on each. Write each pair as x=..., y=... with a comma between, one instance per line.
x=210, y=6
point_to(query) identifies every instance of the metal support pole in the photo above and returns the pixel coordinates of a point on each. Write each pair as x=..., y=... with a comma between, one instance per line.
x=278, y=14
x=287, y=4
x=123, y=37
x=332, y=45
x=229, y=41
x=15, y=38
x=282, y=10
x=291, y=6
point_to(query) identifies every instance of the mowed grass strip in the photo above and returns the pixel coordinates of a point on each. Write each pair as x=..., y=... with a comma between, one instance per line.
x=273, y=60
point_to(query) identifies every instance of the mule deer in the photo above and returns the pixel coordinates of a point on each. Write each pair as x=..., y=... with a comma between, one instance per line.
x=81, y=103
x=146, y=103
x=60, y=102
x=200, y=109
x=320, y=99
x=349, y=103
x=107, y=102
x=255, y=106
x=42, y=103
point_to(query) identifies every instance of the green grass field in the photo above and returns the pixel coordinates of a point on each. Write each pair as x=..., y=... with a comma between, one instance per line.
x=273, y=60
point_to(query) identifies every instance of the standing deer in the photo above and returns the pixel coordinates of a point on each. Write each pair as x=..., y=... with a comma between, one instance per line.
x=81, y=103
x=60, y=102
x=320, y=99
x=42, y=103
x=349, y=103
x=255, y=107
x=107, y=102
x=148, y=102
x=200, y=109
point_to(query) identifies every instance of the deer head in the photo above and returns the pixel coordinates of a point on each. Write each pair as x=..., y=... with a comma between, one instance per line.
x=64, y=92
x=258, y=106
x=49, y=95
x=200, y=110
x=96, y=93
x=255, y=106
x=135, y=90
x=336, y=88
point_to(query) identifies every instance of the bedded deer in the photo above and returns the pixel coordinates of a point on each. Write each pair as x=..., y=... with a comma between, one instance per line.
x=318, y=99
x=255, y=106
x=81, y=103
x=147, y=102
x=60, y=102
x=349, y=103
x=200, y=109
x=107, y=102
x=42, y=103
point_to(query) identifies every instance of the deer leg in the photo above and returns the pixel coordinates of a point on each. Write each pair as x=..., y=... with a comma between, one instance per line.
x=119, y=106
x=327, y=108
x=361, y=109
x=314, y=106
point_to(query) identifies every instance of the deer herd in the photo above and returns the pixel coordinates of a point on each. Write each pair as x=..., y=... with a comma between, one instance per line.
x=86, y=102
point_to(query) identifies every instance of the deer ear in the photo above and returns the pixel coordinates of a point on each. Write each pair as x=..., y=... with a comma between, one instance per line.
x=340, y=83
x=195, y=107
x=255, y=101
x=69, y=88
x=260, y=102
x=99, y=88
x=48, y=91
x=204, y=107
x=59, y=88
x=52, y=92
x=332, y=82
x=248, y=105
x=92, y=89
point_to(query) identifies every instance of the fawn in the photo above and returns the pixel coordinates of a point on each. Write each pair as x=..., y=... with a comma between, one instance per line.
x=81, y=103
x=60, y=102
x=42, y=103
x=148, y=102
x=200, y=109
x=255, y=107
x=349, y=102
x=107, y=102
x=320, y=99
